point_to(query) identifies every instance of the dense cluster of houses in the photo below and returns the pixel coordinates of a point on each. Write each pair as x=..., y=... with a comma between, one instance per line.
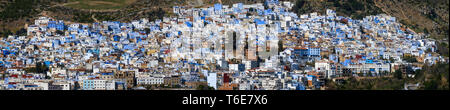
x=259, y=46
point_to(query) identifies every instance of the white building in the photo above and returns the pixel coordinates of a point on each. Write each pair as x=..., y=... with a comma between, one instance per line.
x=323, y=66
x=94, y=84
x=64, y=85
x=56, y=71
x=149, y=80
x=15, y=71
x=212, y=80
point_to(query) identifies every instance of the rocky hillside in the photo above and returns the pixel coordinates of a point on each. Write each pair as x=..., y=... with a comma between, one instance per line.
x=428, y=16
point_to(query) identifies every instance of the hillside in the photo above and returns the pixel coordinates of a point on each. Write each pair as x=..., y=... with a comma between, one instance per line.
x=98, y=4
x=428, y=16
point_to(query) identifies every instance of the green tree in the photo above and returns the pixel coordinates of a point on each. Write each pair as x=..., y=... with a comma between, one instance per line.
x=59, y=32
x=18, y=9
x=204, y=87
x=431, y=85
x=410, y=59
x=369, y=74
x=398, y=74
x=21, y=32
x=298, y=6
x=280, y=46
x=6, y=33
x=39, y=68
x=76, y=85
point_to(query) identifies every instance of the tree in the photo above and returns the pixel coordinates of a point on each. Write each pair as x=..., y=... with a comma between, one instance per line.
x=21, y=32
x=410, y=59
x=418, y=73
x=425, y=31
x=204, y=87
x=280, y=46
x=442, y=48
x=391, y=60
x=232, y=16
x=18, y=9
x=298, y=6
x=147, y=30
x=48, y=77
x=398, y=74
x=385, y=73
x=6, y=33
x=369, y=74
x=435, y=77
x=251, y=9
x=248, y=14
x=431, y=85
x=39, y=68
x=76, y=86
x=59, y=32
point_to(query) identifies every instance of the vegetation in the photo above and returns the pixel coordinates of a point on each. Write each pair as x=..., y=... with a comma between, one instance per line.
x=105, y=17
x=18, y=9
x=5, y=33
x=368, y=84
x=15, y=10
x=84, y=17
x=157, y=14
x=410, y=59
x=398, y=74
x=40, y=68
x=351, y=8
x=442, y=49
x=204, y=87
x=76, y=86
x=21, y=32
x=99, y=4
x=280, y=46
x=433, y=77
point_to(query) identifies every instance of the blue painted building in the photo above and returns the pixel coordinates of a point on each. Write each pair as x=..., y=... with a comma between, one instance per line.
x=301, y=52
x=88, y=84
